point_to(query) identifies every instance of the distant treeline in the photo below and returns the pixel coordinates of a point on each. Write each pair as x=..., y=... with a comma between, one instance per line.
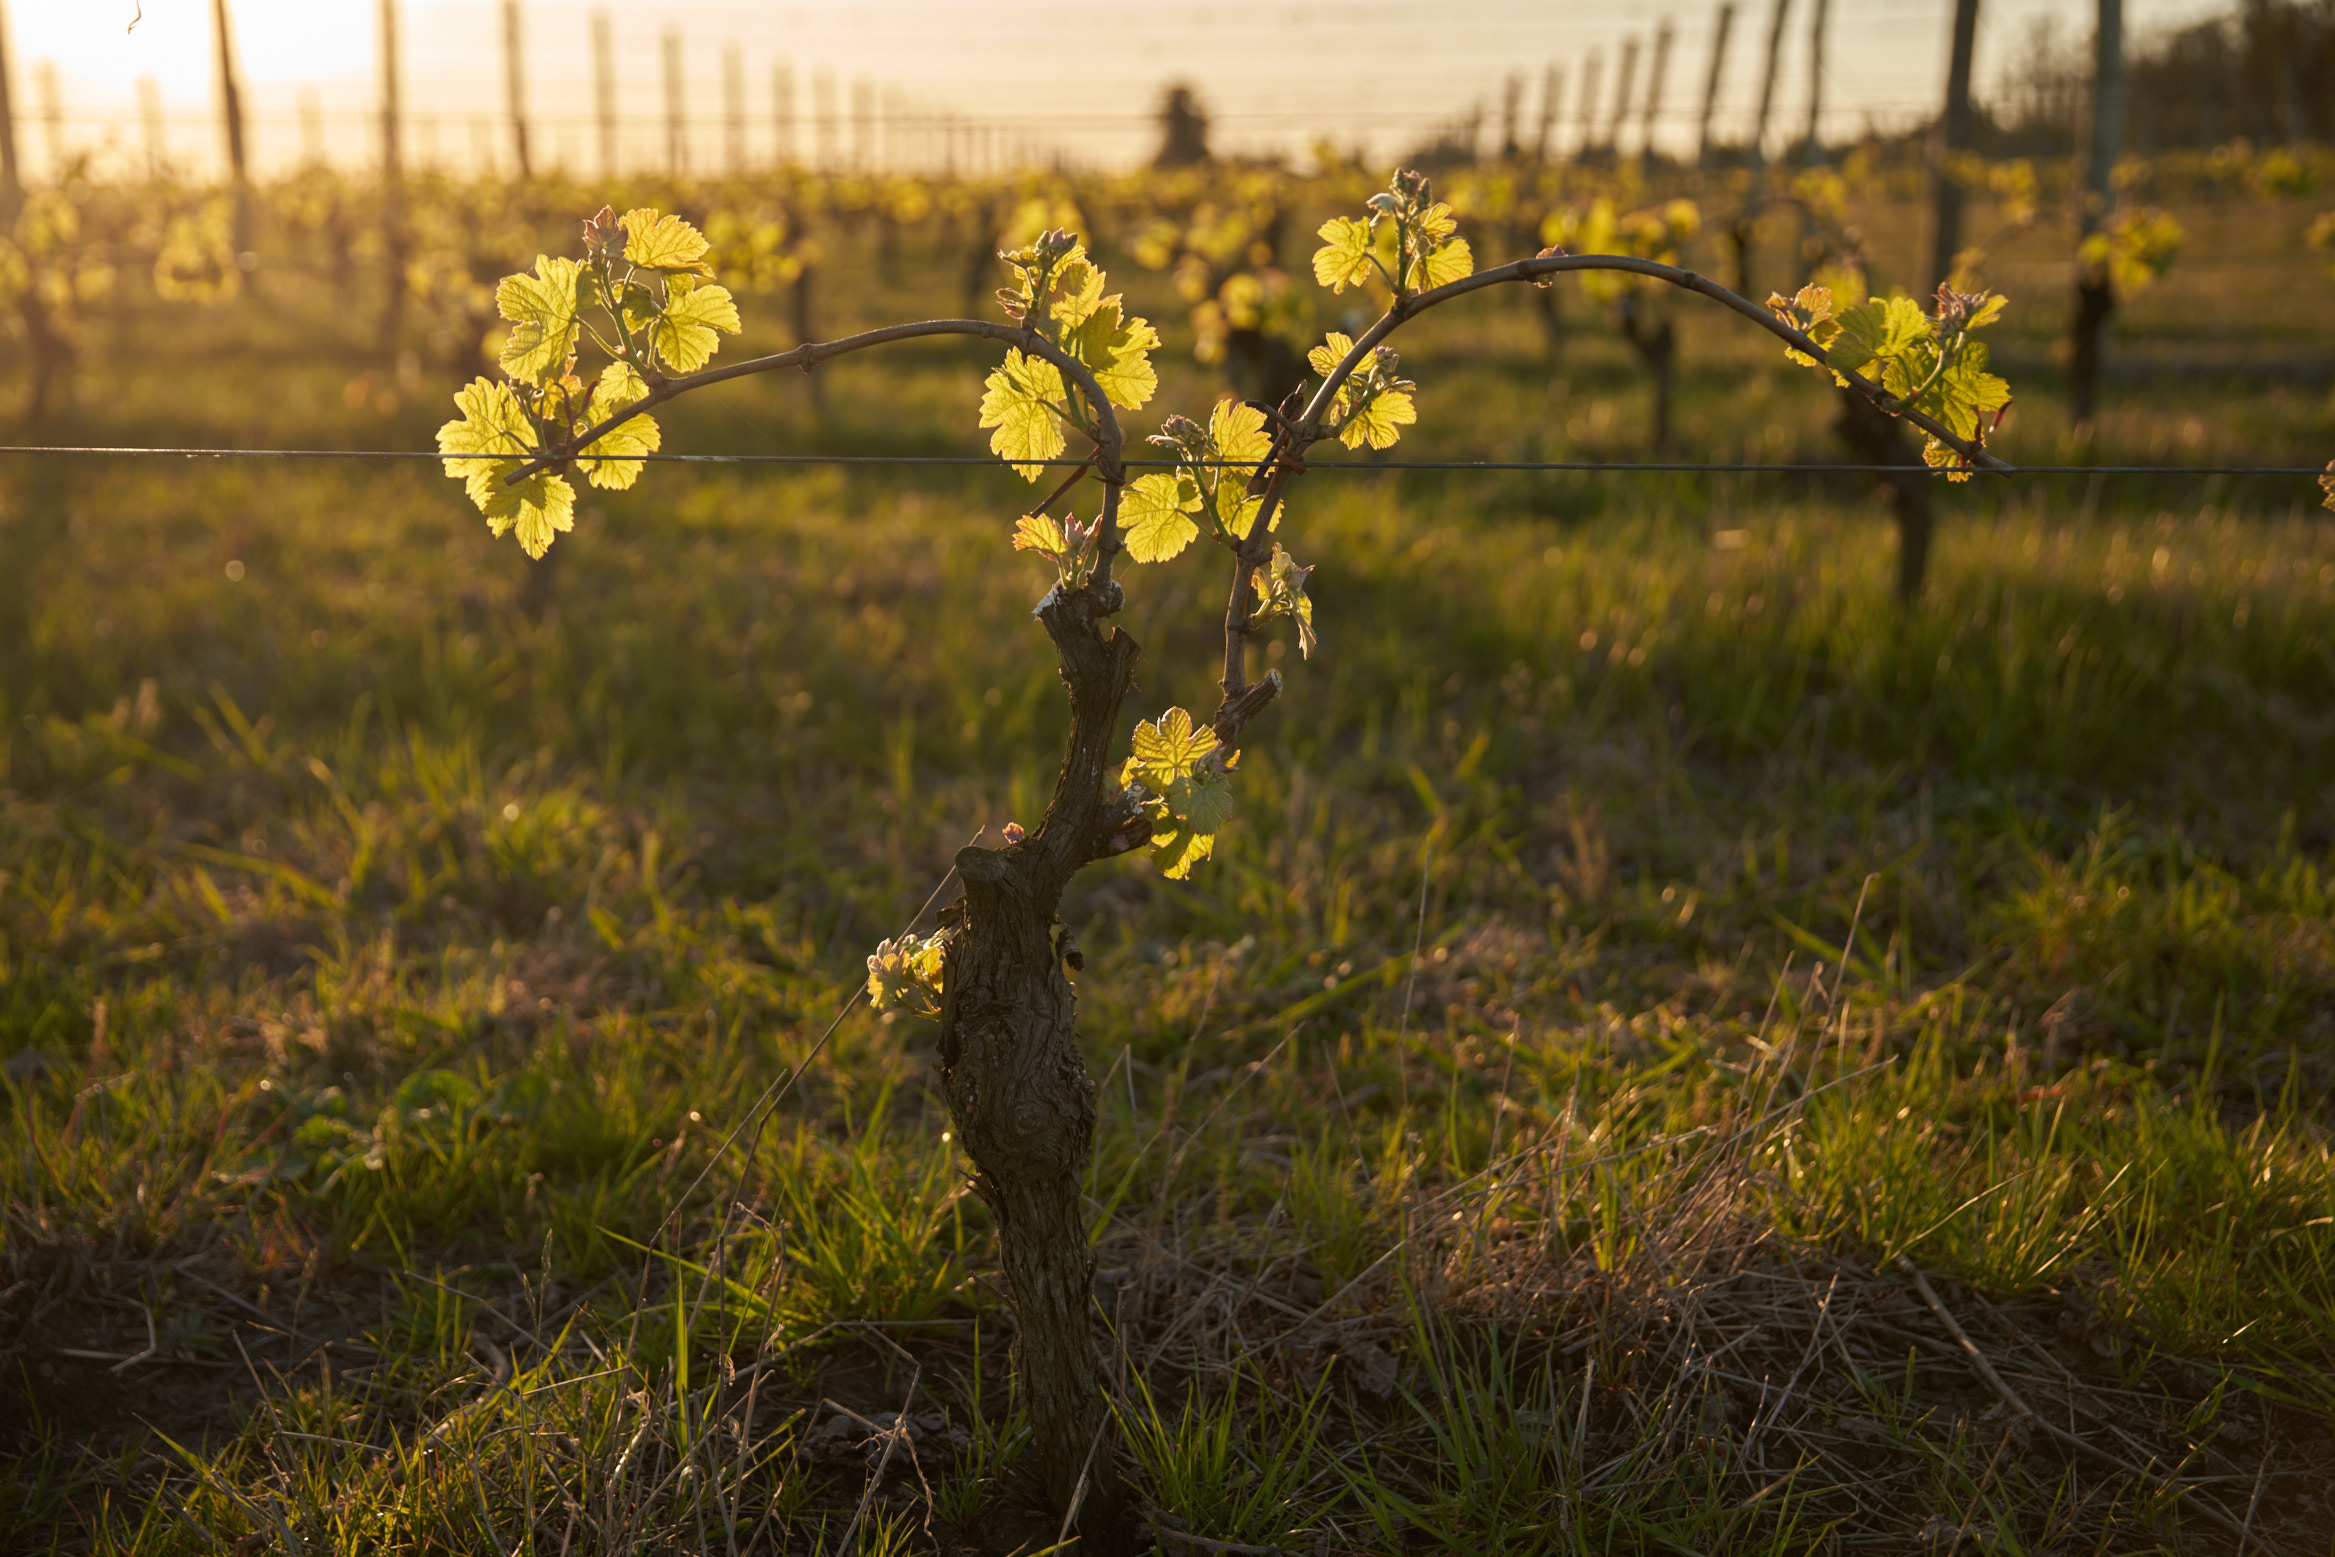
x=2265, y=72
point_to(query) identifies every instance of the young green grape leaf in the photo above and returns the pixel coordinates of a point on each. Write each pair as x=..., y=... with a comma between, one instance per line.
x=685, y=335
x=1168, y=752
x=1155, y=515
x=905, y=975
x=1281, y=592
x=1077, y=290
x=1236, y=508
x=1185, y=787
x=1238, y=431
x=1066, y=543
x=1447, y=262
x=542, y=309
x=1879, y=329
x=494, y=437
x=1117, y=351
x=620, y=386
x=1018, y=400
x=1345, y=258
x=1810, y=312
x=1325, y=358
x=1379, y=420
x=1179, y=849
x=653, y=241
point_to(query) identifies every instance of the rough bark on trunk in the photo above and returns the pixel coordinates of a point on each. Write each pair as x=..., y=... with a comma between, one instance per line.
x=1017, y=1088
x=1875, y=437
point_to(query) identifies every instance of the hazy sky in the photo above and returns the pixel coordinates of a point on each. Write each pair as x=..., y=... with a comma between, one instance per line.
x=1274, y=74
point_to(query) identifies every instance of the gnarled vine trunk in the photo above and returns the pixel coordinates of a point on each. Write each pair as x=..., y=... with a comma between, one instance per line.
x=1877, y=438
x=1016, y=1085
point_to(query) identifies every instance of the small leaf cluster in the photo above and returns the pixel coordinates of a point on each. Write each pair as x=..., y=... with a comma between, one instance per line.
x=1657, y=233
x=642, y=295
x=2322, y=238
x=1180, y=777
x=1927, y=362
x=2132, y=250
x=46, y=260
x=1406, y=245
x=905, y=975
x=1057, y=293
x=1162, y=514
x=1374, y=404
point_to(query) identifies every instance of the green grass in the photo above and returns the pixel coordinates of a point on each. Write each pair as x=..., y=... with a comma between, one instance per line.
x=393, y=935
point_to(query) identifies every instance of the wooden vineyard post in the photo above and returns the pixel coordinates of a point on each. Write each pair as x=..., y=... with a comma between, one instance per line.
x=1656, y=74
x=604, y=89
x=1552, y=84
x=11, y=177
x=1814, y=150
x=1953, y=136
x=782, y=114
x=734, y=106
x=1711, y=83
x=1746, y=224
x=231, y=118
x=1621, y=97
x=1511, y=111
x=1591, y=69
x=150, y=115
x=515, y=85
x=392, y=184
x=676, y=149
x=2095, y=292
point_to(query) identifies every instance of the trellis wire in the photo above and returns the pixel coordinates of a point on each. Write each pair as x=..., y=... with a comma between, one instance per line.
x=1347, y=467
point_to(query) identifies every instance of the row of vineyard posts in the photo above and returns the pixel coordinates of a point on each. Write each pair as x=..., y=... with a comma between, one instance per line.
x=1235, y=314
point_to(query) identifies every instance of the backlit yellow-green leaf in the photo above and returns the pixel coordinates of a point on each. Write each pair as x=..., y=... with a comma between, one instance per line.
x=1344, y=259
x=1179, y=849
x=1239, y=432
x=620, y=386
x=492, y=438
x=1117, y=351
x=1236, y=509
x=1878, y=329
x=1017, y=401
x=1155, y=515
x=542, y=310
x=1450, y=262
x=1167, y=751
x=1041, y=533
x=690, y=329
x=1379, y=421
x=1332, y=351
x=654, y=241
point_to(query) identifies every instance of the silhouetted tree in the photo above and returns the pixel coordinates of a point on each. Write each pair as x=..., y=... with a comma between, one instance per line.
x=1183, y=130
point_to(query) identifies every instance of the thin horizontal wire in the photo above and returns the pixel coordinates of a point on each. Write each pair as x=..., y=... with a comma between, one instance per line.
x=1350, y=467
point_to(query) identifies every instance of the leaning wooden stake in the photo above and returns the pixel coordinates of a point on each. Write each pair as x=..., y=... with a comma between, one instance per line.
x=1656, y=75
x=11, y=178
x=676, y=135
x=1814, y=149
x=515, y=85
x=1621, y=96
x=1711, y=84
x=1953, y=136
x=231, y=116
x=392, y=185
x=1746, y=224
x=2095, y=292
